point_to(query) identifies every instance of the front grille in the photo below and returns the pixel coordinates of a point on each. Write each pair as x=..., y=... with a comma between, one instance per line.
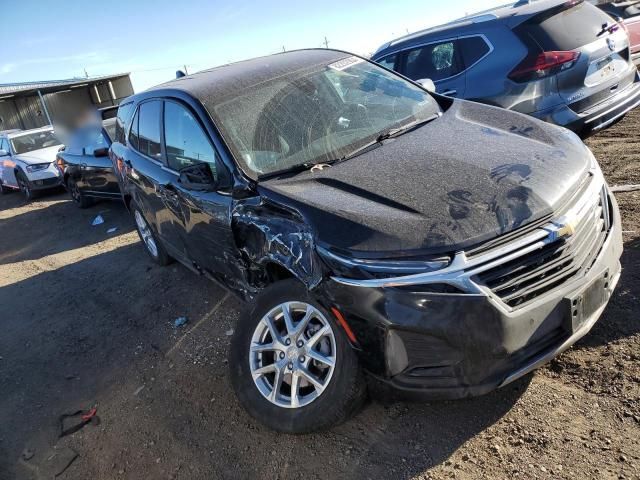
x=47, y=182
x=524, y=279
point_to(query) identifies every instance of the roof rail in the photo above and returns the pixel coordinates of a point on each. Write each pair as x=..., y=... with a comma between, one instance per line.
x=484, y=17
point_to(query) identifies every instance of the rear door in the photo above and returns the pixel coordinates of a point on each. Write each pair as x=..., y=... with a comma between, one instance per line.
x=603, y=66
x=439, y=61
x=205, y=216
x=152, y=180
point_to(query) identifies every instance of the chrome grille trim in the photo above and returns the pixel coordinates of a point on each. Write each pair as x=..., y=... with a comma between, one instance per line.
x=463, y=272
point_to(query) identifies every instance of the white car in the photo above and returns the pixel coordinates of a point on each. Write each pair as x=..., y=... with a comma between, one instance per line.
x=27, y=161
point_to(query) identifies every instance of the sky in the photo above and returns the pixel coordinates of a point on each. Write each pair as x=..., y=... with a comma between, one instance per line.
x=51, y=40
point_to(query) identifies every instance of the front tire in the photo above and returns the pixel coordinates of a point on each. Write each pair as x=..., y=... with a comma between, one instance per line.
x=25, y=186
x=152, y=244
x=292, y=366
x=80, y=199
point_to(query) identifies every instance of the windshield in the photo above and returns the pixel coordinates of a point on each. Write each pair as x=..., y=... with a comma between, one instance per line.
x=34, y=141
x=318, y=115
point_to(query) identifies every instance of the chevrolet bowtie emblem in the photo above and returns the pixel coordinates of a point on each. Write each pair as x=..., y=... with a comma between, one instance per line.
x=562, y=228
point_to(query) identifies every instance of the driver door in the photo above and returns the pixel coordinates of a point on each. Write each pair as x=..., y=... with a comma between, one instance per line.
x=98, y=177
x=205, y=215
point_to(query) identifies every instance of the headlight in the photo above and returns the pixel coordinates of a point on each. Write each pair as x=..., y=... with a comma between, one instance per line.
x=366, y=269
x=594, y=165
x=37, y=167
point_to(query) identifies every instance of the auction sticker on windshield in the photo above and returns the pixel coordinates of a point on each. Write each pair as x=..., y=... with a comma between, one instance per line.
x=345, y=63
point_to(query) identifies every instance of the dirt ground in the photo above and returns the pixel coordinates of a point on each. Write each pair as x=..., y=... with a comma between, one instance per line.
x=86, y=319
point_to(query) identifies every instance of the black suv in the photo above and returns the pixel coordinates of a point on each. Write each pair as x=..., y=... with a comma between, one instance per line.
x=443, y=247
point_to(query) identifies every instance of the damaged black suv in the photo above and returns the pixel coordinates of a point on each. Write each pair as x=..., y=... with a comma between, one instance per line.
x=440, y=247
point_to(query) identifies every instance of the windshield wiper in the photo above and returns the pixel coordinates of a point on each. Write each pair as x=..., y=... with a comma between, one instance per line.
x=394, y=132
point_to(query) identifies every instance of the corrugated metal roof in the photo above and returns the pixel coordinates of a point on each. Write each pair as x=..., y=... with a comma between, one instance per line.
x=12, y=88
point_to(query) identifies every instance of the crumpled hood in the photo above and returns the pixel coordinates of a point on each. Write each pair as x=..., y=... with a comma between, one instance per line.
x=43, y=155
x=473, y=174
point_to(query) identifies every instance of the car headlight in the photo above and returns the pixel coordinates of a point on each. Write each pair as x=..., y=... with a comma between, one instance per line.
x=593, y=165
x=368, y=269
x=37, y=167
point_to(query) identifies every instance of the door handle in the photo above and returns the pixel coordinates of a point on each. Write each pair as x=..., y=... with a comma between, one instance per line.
x=450, y=93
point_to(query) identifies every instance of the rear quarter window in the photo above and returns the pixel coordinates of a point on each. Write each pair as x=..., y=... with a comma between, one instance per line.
x=567, y=30
x=473, y=49
x=124, y=114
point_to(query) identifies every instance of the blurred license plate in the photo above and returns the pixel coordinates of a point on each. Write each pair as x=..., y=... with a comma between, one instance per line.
x=584, y=304
x=604, y=69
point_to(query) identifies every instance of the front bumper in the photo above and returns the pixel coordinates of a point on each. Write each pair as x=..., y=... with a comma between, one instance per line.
x=599, y=116
x=44, y=179
x=445, y=346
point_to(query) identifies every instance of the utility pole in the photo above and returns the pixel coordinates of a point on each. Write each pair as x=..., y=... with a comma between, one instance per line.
x=185, y=70
x=326, y=42
x=86, y=75
x=284, y=49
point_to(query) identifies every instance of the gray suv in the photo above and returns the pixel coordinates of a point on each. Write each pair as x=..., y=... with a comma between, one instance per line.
x=565, y=62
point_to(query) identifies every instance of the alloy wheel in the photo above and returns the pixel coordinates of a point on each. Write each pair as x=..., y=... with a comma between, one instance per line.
x=292, y=355
x=146, y=234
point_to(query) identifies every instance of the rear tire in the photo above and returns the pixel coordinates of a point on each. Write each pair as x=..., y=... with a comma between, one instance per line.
x=260, y=364
x=152, y=244
x=80, y=199
x=25, y=187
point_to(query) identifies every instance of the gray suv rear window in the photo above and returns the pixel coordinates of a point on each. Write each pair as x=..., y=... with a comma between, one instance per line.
x=567, y=30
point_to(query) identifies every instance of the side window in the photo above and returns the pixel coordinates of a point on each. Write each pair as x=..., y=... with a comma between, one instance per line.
x=95, y=141
x=388, y=62
x=437, y=62
x=4, y=145
x=149, y=129
x=124, y=113
x=133, y=133
x=472, y=50
x=185, y=141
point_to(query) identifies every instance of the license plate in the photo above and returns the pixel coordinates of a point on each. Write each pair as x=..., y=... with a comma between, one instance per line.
x=601, y=70
x=583, y=304
x=605, y=67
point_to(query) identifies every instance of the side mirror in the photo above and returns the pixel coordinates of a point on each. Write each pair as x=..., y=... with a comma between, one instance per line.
x=4, y=153
x=198, y=177
x=101, y=152
x=428, y=85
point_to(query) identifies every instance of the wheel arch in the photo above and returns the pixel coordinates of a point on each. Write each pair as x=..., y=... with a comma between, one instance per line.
x=274, y=243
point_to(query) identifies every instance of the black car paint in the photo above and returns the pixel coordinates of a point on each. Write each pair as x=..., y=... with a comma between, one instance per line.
x=249, y=233
x=418, y=196
x=94, y=175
